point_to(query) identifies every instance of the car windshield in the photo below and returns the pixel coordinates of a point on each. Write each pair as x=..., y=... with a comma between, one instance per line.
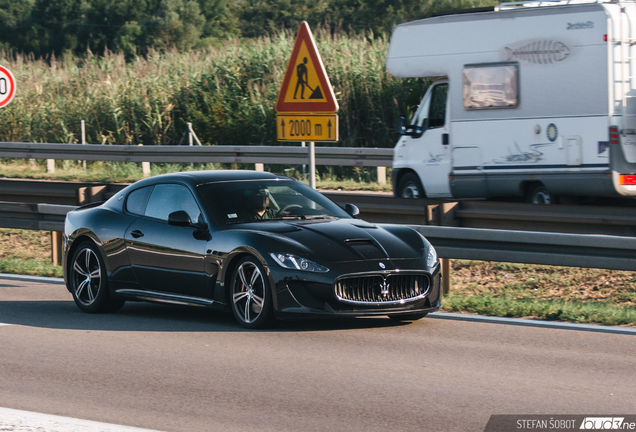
x=262, y=200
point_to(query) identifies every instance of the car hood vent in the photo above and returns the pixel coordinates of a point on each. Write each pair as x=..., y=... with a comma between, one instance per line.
x=359, y=241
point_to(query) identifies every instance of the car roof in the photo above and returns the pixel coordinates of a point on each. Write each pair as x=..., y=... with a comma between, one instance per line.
x=199, y=177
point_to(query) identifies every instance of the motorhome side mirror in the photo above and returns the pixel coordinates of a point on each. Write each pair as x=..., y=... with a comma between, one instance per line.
x=179, y=218
x=352, y=210
x=400, y=125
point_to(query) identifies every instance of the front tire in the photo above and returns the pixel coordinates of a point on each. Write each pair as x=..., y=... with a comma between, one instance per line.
x=251, y=295
x=410, y=186
x=88, y=282
x=540, y=195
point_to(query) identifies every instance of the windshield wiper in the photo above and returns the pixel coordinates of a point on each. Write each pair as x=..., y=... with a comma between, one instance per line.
x=292, y=217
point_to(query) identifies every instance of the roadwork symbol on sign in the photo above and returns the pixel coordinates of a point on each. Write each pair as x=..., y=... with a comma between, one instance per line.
x=7, y=86
x=306, y=87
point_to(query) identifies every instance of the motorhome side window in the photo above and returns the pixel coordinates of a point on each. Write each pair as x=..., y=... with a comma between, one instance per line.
x=493, y=85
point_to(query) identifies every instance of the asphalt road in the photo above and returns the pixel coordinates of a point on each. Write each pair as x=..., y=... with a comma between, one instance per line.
x=185, y=369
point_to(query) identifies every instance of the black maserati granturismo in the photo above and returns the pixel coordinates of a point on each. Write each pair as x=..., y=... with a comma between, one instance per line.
x=261, y=245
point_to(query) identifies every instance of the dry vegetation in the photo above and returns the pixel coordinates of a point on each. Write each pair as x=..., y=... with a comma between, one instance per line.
x=26, y=252
x=479, y=278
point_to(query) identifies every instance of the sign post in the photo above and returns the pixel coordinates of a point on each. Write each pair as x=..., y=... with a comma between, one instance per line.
x=306, y=106
x=7, y=86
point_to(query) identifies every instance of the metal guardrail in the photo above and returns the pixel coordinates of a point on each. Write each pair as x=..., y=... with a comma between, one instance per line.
x=42, y=217
x=347, y=156
x=591, y=236
x=574, y=250
x=51, y=192
x=580, y=219
x=379, y=207
x=574, y=219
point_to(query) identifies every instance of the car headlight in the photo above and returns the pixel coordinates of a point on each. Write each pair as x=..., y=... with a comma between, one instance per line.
x=294, y=262
x=431, y=258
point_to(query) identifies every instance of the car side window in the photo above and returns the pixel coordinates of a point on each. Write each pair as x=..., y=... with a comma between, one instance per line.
x=137, y=199
x=168, y=198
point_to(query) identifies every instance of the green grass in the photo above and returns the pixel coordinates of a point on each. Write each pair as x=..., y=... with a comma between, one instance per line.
x=572, y=294
x=364, y=179
x=553, y=310
x=27, y=252
x=22, y=266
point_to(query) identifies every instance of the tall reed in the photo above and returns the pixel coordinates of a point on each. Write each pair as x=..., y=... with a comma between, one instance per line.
x=228, y=93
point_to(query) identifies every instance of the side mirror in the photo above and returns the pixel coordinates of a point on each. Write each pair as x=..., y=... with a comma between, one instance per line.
x=400, y=125
x=179, y=218
x=352, y=210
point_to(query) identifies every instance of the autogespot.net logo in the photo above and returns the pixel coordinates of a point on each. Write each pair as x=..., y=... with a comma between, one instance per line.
x=605, y=423
x=560, y=423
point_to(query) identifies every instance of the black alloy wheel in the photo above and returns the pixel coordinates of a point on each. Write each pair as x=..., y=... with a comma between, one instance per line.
x=251, y=295
x=88, y=282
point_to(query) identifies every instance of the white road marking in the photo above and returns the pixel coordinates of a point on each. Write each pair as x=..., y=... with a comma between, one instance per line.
x=533, y=323
x=43, y=279
x=25, y=421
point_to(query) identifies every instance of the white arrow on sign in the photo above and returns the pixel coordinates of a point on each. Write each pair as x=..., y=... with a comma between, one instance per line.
x=7, y=86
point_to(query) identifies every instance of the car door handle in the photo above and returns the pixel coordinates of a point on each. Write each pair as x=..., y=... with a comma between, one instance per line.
x=136, y=234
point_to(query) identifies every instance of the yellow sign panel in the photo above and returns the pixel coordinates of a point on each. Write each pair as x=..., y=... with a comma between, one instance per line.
x=307, y=127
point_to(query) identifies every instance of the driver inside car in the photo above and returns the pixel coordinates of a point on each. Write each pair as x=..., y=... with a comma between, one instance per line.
x=258, y=205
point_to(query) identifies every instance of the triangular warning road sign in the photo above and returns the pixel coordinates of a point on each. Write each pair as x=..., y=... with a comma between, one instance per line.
x=306, y=87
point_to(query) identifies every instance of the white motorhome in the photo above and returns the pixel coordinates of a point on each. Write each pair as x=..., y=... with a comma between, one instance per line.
x=533, y=99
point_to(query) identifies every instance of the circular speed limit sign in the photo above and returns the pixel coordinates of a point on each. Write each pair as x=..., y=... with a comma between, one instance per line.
x=7, y=86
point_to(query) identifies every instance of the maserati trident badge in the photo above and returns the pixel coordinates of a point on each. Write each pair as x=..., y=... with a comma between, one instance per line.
x=384, y=288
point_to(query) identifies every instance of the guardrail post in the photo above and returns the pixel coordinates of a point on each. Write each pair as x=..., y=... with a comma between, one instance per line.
x=445, y=262
x=259, y=167
x=432, y=214
x=91, y=194
x=381, y=176
x=50, y=166
x=448, y=214
x=56, y=247
x=446, y=217
x=145, y=167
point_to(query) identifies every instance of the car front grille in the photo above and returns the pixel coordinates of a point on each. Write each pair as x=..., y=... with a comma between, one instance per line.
x=381, y=288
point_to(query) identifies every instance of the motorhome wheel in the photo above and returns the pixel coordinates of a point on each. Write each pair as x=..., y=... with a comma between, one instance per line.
x=540, y=195
x=410, y=187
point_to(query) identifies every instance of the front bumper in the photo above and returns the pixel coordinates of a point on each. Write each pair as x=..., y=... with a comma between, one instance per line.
x=305, y=298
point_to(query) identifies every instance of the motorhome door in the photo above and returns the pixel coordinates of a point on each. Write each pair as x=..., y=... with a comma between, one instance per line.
x=427, y=148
